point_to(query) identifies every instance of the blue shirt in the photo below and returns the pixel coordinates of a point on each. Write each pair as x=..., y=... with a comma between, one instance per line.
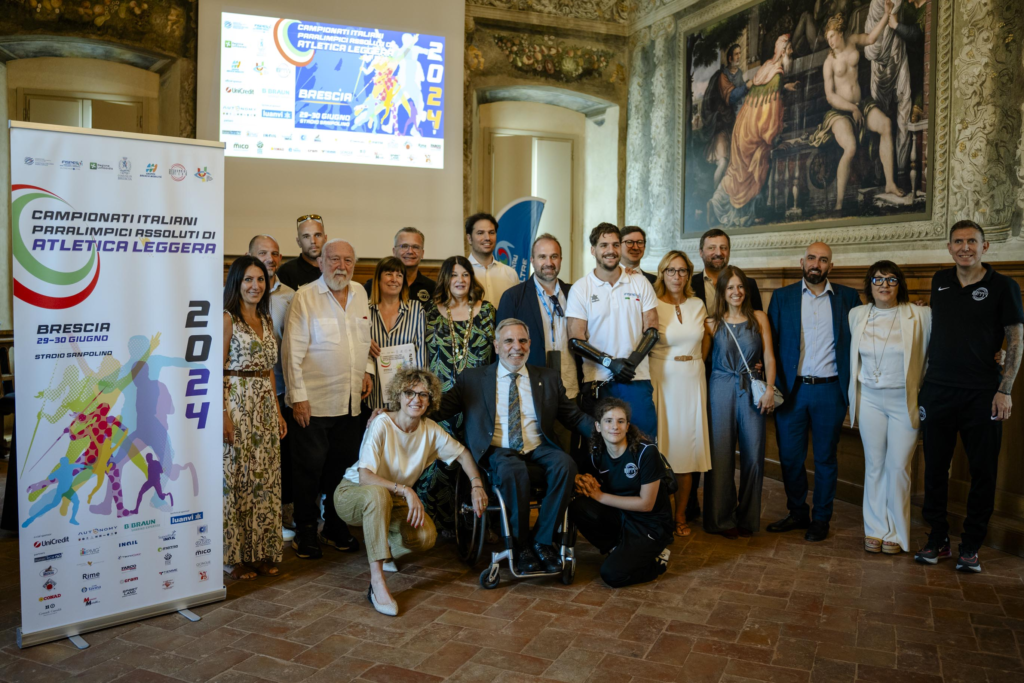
x=817, y=339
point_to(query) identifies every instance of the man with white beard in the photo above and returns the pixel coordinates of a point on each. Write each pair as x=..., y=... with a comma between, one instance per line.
x=327, y=372
x=758, y=124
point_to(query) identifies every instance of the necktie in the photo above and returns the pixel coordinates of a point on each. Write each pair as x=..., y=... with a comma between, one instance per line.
x=515, y=418
x=557, y=306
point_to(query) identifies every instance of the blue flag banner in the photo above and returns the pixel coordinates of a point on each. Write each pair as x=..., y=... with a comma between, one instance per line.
x=517, y=228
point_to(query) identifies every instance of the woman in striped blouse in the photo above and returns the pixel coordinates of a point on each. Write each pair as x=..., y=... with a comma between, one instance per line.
x=394, y=319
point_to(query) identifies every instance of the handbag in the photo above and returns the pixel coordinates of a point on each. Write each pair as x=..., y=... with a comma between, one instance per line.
x=757, y=386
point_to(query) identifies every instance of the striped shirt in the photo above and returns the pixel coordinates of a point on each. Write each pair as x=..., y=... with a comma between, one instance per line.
x=410, y=328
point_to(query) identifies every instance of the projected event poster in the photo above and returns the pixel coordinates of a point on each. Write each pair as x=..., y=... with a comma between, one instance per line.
x=293, y=89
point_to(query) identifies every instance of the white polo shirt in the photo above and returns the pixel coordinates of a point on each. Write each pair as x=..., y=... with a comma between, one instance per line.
x=615, y=318
x=495, y=278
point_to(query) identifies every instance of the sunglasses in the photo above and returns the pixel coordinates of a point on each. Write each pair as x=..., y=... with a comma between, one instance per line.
x=309, y=217
x=891, y=281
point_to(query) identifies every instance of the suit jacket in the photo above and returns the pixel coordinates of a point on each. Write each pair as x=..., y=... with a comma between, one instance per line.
x=698, y=288
x=520, y=302
x=475, y=393
x=784, y=314
x=916, y=331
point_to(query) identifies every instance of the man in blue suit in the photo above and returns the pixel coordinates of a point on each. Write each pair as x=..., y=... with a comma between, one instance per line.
x=540, y=303
x=811, y=331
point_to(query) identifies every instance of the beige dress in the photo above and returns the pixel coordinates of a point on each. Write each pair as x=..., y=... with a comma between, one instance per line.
x=680, y=387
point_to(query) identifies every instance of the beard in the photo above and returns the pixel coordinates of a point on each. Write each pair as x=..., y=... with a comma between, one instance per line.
x=715, y=263
x=336, y=281
x=604, y=266
x=816, y=277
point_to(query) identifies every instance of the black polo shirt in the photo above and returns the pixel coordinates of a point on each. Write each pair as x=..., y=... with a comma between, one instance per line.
x=967, y=328
x=421, y=289
x=298, y=272
x=623, y=476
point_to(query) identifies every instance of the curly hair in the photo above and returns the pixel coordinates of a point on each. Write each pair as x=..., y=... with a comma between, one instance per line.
x=634, y=436
x=836, y=23
x=410, y=376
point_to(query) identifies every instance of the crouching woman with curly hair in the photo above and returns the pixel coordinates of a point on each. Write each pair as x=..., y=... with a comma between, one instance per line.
x=621, y=506
x=376, y=492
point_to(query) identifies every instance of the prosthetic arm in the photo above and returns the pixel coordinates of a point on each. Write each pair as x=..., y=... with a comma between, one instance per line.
x=622, y=369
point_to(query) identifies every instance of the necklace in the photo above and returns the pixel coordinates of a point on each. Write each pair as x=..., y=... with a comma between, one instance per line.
x=460, y=347
x=876, y=373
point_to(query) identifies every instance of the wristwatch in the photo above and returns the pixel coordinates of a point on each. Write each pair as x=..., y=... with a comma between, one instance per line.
x=606, y=361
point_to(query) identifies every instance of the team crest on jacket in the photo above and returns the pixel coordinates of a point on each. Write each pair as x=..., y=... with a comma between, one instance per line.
x=980, y=294
x=631, y=470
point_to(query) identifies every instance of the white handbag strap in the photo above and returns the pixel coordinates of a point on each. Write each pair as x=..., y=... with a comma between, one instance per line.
x=738, y=347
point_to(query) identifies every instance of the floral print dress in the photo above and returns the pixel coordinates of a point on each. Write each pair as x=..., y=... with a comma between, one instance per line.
x=436, y=486
x=252, y=467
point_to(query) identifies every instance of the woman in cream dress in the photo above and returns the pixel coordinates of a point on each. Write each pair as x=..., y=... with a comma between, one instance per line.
x=677, y=373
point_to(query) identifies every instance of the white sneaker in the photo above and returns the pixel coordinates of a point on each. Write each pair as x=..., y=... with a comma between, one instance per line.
x=390, y=566
x=287, y=534
x=662, y=557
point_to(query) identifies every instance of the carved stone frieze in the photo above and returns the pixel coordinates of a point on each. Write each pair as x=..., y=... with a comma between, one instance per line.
x=616, y=11
x=984, y=118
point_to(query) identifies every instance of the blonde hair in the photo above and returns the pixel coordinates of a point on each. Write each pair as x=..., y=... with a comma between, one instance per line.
x=659, y=284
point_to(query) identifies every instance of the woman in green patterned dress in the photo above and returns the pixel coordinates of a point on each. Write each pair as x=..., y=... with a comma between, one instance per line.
x=460, y=335
x=253, y=426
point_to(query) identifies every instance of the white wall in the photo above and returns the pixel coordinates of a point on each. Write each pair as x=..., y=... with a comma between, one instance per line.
x=364, y=204
x=600, y=179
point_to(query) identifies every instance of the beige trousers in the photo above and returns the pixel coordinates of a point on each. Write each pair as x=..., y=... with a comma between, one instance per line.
x=382, y=517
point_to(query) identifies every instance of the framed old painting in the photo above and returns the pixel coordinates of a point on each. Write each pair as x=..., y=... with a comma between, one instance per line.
x=807, y=113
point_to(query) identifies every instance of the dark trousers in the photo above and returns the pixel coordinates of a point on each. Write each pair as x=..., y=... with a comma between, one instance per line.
x=631, y=558
x=322, y=452
x=820, y=410
x=508, y=473
x=945, y=412
x=286, y=452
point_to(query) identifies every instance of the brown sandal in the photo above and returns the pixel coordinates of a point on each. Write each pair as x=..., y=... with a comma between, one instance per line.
x=872, y=545
x=241, y=572
x=682, y=529
x=267, y=569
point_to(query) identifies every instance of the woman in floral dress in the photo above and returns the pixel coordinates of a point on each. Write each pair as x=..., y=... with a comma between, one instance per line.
x=253, y=426
x=460, y=335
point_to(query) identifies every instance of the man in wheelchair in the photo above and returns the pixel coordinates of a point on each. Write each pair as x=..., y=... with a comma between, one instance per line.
x=509, y=411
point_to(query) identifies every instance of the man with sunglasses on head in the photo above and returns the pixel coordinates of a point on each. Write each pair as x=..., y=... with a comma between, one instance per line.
x=540, y=304
x=634, y=244
x=311, y=238
x=408, y=249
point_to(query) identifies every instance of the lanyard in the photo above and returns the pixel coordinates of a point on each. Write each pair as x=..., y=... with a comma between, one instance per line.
x=543, y=296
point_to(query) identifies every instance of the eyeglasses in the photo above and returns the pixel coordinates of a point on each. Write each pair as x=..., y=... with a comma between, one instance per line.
x=676, y=272
x=634, y=243
x=309, y=217
x=410, y=247
x=410, y=395
x=891, y=281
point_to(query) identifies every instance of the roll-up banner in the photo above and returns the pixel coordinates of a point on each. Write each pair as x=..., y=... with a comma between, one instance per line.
x=118, y=268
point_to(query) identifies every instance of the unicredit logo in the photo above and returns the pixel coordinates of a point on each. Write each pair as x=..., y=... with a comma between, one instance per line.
x=50, y=541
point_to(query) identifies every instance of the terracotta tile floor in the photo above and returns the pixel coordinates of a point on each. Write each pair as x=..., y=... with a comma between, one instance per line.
x=771, y=608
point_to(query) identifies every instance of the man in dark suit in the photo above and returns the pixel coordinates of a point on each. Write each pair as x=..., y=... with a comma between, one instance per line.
x=811, y=330
x=540, y=304
x=509, y=410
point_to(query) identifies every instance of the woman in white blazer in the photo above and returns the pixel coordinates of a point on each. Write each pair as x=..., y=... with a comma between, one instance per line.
x=888, y=353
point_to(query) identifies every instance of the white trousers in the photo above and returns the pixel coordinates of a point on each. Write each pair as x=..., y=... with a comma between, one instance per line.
x=889, y=441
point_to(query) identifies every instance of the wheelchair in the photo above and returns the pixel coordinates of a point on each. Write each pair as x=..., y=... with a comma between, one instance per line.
x=471, y=531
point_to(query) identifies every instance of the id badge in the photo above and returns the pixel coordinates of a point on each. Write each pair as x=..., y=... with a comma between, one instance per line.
x=554, y=359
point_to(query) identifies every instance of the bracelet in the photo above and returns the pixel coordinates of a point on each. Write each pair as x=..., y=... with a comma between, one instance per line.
x=472, y=478
x=395, y=490
x=1004, y=393
x=476, y=487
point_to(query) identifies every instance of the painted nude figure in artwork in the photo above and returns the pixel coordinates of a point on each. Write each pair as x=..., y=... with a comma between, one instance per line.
x=850, y=114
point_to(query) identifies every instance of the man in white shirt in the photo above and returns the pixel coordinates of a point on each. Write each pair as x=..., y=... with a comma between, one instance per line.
x=613, y=325
x=266, y=249
x=327, y=372
x=482, y=232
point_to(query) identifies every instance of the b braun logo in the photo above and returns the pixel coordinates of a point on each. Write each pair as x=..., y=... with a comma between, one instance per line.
x=141, y=525
x=125, y=544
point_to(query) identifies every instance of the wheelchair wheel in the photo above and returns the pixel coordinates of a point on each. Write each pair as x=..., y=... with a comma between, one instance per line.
x=470, y=530
x=569, y=572
x=490, y=577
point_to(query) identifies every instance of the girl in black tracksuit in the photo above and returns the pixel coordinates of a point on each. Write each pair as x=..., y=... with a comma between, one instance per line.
x=621, y=506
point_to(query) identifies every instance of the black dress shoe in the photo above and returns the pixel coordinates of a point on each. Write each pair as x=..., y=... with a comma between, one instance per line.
x=817, y=532
x=789, y=523
x=527, y=562
x=548, y=557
